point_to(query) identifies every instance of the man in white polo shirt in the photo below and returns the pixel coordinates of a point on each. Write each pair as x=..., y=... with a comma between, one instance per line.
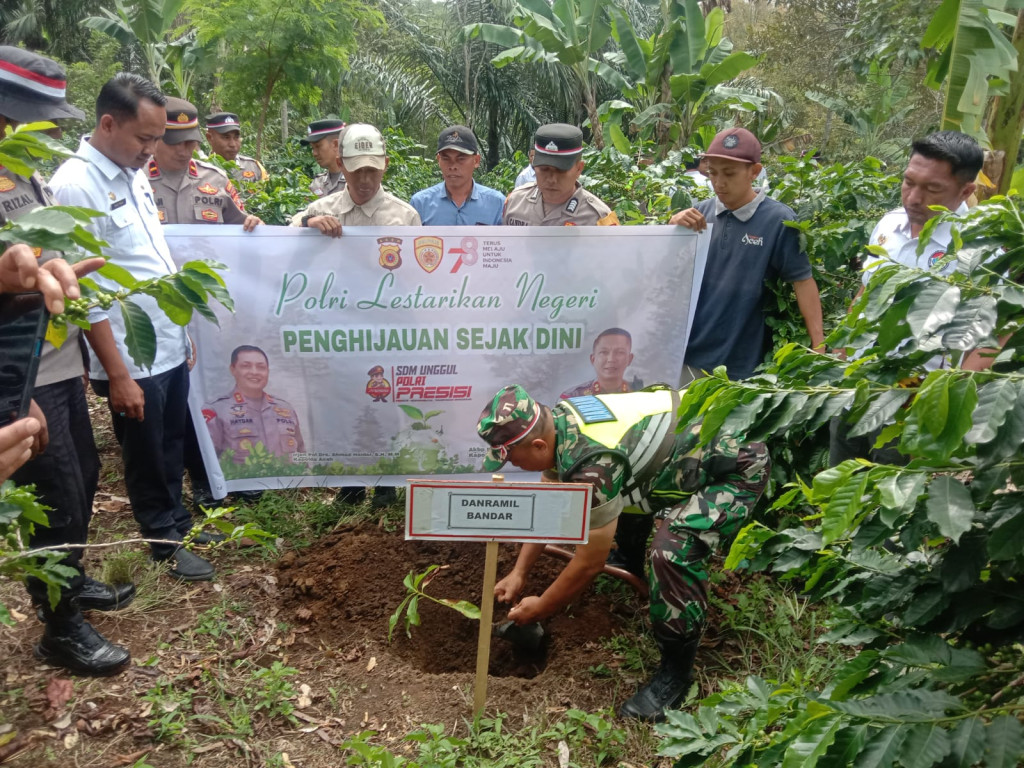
x=149, y=406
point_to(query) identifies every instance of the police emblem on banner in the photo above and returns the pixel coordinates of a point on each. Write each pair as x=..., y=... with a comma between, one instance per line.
x=390, y=252
x=429, y=251
x=6, y=185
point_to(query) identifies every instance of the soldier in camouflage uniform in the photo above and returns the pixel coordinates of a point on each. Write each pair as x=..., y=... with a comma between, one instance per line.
x=626, y=447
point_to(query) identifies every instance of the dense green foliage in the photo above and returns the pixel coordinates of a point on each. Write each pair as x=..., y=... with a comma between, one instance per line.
x=924, y=559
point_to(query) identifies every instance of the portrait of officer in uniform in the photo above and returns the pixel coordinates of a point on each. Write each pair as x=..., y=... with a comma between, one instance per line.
x=249, y=415
x=612, y=355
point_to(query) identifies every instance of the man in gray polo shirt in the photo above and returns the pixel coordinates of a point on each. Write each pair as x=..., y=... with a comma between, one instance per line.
x=750, y=245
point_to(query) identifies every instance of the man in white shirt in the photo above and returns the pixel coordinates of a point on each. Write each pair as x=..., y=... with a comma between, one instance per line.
x=149, y=406
x=941, y=172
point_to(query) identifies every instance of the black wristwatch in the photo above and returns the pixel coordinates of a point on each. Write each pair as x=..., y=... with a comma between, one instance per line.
x=305, y=220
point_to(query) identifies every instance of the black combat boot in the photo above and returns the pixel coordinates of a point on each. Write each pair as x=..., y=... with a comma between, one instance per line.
x=71, y=642
x=670, y=683
x=631, y=536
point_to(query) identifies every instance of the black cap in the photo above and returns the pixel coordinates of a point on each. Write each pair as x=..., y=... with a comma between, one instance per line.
x=558, y=145
x=182, y=122
x=460, y=138
x=223, y=122
x=32, y=87
x=321, y=129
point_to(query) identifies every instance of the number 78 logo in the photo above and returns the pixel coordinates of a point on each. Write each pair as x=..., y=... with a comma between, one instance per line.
x=466, y=252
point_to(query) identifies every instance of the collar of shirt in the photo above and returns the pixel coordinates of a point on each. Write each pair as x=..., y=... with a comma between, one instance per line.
x=941, y=235
x=104, y=164
x=744, y=212
x=369, y=207
x=474, y=193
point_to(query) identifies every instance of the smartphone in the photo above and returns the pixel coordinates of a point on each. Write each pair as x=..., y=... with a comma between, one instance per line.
x=23, y=319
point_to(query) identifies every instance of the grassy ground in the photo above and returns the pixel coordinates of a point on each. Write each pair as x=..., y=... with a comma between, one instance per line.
x=225, y=674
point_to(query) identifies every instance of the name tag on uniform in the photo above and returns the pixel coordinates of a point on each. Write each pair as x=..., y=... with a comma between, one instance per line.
x=119, y=204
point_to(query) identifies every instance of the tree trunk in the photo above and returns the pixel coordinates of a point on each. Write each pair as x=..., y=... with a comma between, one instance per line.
x=1006, y=117
x=264, y=108
x=595, y=122
x=493, y=139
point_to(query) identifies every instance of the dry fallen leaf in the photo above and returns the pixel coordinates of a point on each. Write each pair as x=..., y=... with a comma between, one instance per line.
x=352, y=655
x=17, y=615
x=58, y=691
x=286, y=761
x=70, y=740
x=305, y=697
x=563, y=755
x=371, y=664
x=63, y=723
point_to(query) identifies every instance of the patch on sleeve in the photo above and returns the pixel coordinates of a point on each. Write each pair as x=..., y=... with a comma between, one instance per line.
x=209, y=414
x=590, y=409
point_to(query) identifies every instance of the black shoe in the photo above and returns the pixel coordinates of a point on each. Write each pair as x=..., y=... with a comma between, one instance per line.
x=670, y=683
x=204, y=537
x=96, y=596
x=351, y=494
x=202, y=497
x=384, y=496
x=247, y=498
x=186, y=566
x=666, y=690
x=82, y=649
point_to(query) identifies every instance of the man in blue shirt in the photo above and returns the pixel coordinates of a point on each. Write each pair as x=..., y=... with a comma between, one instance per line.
x=750, y=247
x=458, y=200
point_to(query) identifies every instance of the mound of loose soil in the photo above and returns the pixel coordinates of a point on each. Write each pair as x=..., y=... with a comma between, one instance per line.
x=345, y=587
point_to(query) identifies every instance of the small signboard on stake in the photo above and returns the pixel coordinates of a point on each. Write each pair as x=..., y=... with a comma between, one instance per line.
x=536, y=513
x=541, y=513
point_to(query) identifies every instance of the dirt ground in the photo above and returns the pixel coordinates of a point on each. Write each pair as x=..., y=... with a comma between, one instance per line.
x=323, y=611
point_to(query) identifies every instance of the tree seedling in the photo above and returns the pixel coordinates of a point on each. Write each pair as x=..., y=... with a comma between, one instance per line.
x=415, y=584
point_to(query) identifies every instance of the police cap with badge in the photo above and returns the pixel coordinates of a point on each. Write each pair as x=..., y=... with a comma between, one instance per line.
x=321, y=129
x=182, y=122
x=558, y=145
x=32, y=87
x=223, y=122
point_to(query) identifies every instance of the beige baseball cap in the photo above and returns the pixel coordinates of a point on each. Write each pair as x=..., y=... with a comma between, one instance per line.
x=362, y=146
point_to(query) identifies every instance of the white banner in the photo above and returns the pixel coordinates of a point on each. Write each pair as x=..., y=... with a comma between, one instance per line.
x=376, y=352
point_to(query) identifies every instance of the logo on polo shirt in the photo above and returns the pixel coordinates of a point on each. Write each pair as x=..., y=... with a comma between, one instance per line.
x=935, y=257
x=749, y=239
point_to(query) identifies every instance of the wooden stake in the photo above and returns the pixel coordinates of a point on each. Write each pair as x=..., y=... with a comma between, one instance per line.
x=483, y=646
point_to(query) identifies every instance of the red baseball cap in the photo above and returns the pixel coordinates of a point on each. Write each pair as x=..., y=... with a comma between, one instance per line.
x=736, y=144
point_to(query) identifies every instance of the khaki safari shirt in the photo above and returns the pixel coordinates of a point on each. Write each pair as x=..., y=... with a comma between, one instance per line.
x=19, y=196
x=202, y=195
x=525, y=207
x=237, y=424
x=381, y=210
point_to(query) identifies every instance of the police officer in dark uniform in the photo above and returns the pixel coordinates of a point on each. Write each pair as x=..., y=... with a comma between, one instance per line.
x=323, y=137
x=66, y=470
x=224, y=134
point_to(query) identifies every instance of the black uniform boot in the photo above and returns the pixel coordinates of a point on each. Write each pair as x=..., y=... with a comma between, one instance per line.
x=71, y=642
x=670, y=683
x=631, y=536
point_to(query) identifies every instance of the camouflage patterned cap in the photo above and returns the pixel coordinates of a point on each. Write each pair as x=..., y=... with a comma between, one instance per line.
x=509, y=417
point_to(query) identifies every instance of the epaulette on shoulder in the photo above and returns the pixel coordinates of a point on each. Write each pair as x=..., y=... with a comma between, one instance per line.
x=154, y=172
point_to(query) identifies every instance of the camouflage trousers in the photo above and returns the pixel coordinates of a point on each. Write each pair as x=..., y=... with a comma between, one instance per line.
x=694, y=526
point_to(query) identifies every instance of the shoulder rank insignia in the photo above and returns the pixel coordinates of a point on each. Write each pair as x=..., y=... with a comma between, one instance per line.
x=207, y=189
x=210, y=215
x=572, y=205
x=239, y=398
x=193, y=169
x=154, y=173
x=591, y=410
